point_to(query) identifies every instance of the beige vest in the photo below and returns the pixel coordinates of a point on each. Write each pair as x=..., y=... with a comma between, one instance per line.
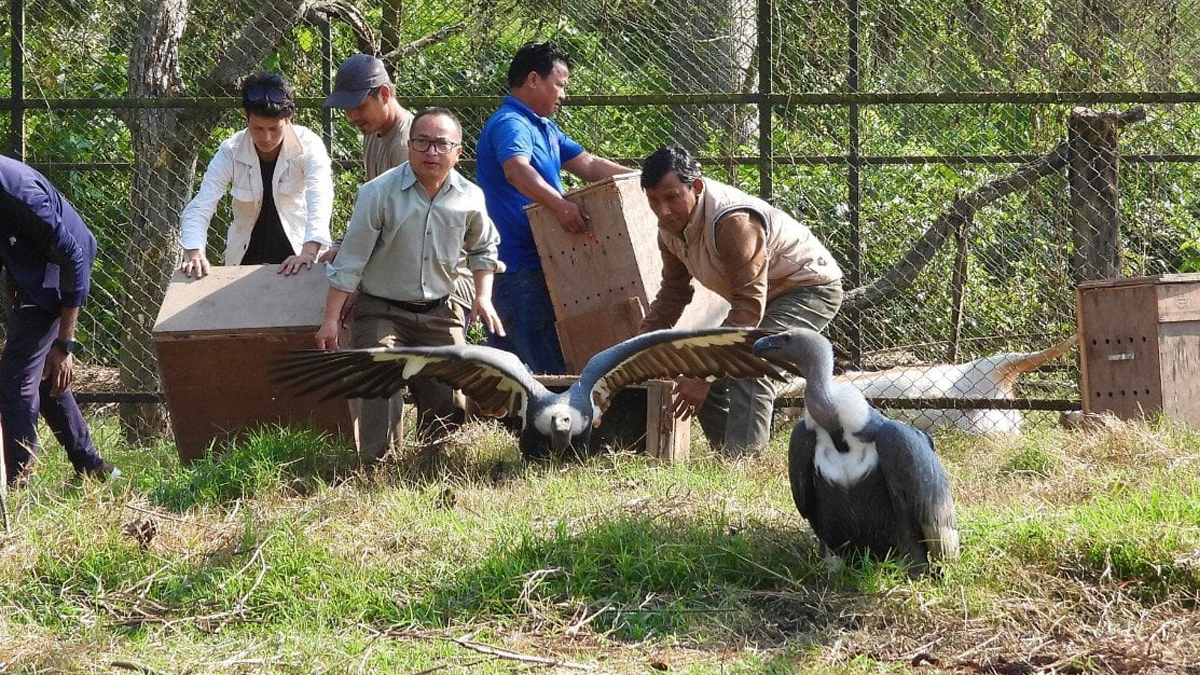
x=794, y=256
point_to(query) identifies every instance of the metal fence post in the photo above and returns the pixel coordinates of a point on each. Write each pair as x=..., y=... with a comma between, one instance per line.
x=766, y=142
x=16, y=141
x=326, y=84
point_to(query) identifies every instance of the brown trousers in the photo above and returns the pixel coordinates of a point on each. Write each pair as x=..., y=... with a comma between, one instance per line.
x=379, y=423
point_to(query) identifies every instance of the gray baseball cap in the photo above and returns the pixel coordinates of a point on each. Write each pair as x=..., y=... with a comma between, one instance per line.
x=356, y=76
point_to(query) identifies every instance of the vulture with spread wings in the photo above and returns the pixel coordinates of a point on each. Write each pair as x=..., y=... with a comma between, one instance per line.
x=497, y=380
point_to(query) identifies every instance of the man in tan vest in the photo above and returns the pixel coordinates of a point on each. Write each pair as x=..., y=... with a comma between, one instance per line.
x=771, y=269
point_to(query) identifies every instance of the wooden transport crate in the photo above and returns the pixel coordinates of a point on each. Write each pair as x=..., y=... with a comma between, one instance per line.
x=602, y=288
x=214, y=338
x=1140, y=346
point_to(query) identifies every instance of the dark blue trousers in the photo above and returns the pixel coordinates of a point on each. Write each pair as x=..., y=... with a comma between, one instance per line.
x=523, y=303
x=23, y=394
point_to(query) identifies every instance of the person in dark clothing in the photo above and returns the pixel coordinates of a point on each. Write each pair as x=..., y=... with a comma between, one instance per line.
x=280, y=178
x=47, y=254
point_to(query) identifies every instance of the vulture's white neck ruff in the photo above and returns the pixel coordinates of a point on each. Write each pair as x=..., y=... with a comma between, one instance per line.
x=844, y=468
x=543, y=420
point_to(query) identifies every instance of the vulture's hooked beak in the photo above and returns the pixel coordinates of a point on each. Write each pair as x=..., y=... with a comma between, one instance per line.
x=765, y=345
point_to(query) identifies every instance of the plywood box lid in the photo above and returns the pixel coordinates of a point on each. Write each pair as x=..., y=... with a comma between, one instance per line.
x=243, y=298
x=1141, y=281
x=600, y=185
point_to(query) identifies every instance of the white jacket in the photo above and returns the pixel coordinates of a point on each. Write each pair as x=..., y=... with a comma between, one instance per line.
x=302, y=187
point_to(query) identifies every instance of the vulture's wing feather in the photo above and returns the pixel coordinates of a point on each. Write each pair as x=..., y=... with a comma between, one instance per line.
x=802, y=448
x=492, y=377
x=706, y=352
x=918, y=485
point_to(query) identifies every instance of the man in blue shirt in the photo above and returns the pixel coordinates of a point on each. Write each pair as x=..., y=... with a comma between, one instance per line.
x=521, y=154
x=47, y=253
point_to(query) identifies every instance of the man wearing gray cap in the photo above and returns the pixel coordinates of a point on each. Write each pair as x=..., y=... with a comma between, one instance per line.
x=364, y=90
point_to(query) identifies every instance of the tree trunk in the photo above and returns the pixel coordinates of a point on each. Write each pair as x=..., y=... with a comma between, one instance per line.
x=1095, y=199
x=162, y=178
x=165, y=143
x=712, y=50
x=390, y=29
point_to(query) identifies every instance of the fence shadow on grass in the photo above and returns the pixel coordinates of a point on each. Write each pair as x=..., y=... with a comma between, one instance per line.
x=644, y=576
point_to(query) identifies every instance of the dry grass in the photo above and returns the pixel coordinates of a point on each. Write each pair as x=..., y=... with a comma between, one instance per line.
x=1079, y=556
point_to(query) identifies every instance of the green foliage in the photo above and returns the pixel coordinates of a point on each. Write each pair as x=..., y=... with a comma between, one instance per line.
x=266, y=461
x=1189, y=251
x=1029, y=460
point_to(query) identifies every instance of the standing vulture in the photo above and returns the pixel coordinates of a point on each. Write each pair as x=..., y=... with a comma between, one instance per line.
x=864, y=482
x=498, y=380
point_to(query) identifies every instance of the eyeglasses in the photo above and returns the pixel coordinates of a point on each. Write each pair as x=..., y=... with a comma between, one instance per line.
x=442, y=145
x=274, y=94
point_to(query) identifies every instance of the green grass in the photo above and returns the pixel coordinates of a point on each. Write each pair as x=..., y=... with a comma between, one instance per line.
x=280, y=556
x=264, y=462
x=1031, y=461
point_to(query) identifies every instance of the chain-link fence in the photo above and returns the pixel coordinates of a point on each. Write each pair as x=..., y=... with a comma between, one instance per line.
x=921, y=139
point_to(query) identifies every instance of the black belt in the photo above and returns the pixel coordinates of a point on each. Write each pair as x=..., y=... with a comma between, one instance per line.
x=415, y=307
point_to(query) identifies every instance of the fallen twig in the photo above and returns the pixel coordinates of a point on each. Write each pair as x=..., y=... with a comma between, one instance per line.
x=489, y=650
x=135, y=667
x=164, y=516
x=254, y=556
x=444, y=666
x=515, y=656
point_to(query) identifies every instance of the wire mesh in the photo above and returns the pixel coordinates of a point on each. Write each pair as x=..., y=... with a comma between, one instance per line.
x=879, y=117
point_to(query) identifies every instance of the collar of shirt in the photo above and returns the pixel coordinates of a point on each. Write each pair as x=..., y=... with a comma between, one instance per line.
x=516, y=104
x=409, y=179
x=247, y=154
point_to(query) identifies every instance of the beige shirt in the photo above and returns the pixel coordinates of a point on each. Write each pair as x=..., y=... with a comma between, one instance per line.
x=386, y=151
x=402, y=245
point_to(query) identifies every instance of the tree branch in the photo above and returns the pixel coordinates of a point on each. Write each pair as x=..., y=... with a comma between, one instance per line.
x=415, y=46
x=349, y=14
x=265, y=30
x=961, y=211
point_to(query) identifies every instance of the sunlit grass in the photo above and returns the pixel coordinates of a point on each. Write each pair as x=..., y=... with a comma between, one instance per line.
x=282, y=555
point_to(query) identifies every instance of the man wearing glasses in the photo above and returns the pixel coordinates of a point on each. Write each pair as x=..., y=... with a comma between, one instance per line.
x=521, y=154
x=278, y=175
x=363, y=89
x=401, y=250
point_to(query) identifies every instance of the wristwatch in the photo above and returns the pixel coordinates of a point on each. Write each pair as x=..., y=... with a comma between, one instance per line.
x=67, y=346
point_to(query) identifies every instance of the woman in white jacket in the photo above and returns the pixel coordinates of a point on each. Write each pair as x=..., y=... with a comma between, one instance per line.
x=279, y=177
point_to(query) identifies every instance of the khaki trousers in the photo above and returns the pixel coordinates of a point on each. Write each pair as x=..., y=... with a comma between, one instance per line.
x=379, y=423
x=736, y=416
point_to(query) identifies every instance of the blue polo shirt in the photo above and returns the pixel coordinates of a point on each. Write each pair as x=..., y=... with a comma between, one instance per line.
x=44, y=244
x=515, y=130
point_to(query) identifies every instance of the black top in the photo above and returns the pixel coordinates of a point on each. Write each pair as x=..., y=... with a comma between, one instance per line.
x=268, y=243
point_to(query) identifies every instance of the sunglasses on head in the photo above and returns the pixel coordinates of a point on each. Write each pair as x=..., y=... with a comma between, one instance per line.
x=274, y=94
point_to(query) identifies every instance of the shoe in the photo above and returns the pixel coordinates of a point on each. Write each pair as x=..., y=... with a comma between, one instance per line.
x=101, y=472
